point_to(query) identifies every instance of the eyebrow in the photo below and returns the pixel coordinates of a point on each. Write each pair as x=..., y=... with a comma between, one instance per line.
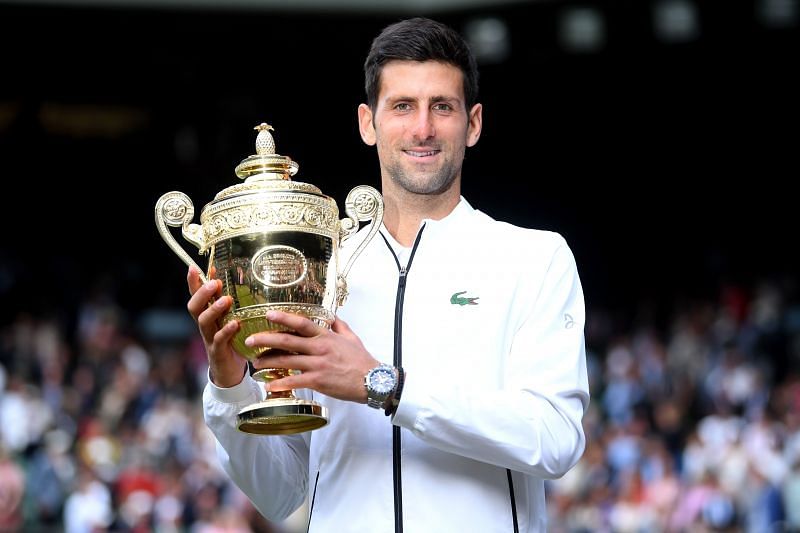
x=430, y=100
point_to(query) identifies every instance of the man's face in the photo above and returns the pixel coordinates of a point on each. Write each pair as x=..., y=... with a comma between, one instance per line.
x=420, y=126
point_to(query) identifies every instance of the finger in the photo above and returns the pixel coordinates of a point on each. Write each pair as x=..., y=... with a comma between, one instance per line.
x=209, y=320
x=225, y=334
x=297, y=323
x=202, y=296
x=286, y=342
x=287, y=361
x=291, y=382
x=193, y=280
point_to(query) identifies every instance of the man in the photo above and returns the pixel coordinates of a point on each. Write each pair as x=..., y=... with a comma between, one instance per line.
x=480, y=322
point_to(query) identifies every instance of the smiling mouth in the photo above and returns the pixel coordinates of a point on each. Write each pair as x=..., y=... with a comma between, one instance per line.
x=421, y=154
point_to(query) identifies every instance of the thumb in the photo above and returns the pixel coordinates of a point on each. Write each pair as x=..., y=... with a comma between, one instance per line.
x=341, y=327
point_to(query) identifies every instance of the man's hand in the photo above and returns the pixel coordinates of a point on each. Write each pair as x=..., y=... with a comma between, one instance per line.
x=227, y=368
x=333, y=362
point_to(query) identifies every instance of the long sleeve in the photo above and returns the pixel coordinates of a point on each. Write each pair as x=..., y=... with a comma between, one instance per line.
x=271, y=470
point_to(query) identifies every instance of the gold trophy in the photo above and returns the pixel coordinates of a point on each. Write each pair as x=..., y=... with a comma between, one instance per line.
x=274, y=243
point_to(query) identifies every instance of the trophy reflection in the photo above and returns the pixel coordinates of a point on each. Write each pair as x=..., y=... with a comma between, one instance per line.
x=274, y=243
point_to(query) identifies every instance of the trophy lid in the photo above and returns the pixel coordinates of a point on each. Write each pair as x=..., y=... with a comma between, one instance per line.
x=266, y=170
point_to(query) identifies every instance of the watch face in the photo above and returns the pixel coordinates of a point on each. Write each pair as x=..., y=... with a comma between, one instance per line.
x=382, y=381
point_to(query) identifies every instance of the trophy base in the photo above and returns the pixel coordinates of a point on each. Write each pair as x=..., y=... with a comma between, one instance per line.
x=282, y=416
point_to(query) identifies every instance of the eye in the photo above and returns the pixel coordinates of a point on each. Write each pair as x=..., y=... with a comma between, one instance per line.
x=441, y=106
x=402, y=106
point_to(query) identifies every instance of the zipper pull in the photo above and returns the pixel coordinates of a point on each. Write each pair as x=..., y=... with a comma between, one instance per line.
x=402, y=280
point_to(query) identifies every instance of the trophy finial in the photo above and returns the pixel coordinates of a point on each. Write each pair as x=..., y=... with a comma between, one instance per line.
x=265, y=164
x=265, y=144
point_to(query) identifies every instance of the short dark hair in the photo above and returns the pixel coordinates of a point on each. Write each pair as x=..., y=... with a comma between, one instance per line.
x=420, y=39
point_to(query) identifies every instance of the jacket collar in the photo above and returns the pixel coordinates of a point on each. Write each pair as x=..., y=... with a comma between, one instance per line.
x=456, y=217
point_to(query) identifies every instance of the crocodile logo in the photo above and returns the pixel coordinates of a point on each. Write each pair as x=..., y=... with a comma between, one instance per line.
x=457, y=299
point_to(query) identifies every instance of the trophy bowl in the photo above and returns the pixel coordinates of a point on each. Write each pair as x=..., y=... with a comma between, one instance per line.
x=274, y=243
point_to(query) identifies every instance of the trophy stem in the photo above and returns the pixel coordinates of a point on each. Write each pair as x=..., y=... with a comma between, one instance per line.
x=281, y=413
x=269, y=374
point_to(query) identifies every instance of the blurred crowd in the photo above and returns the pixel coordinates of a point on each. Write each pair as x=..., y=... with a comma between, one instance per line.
x=694, y=423
x=694, y=426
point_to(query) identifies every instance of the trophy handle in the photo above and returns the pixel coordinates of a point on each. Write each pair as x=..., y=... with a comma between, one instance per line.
x=362, y=203
x=176, y=209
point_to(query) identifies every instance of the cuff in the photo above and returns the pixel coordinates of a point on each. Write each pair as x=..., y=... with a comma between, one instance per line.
x=409, y=409
x=246, y=391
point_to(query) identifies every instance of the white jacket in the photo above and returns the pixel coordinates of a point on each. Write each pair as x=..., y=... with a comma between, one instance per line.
x=492, y=405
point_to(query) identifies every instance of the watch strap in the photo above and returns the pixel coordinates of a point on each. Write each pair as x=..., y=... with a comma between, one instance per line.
x=375, y=404
x=394, y=399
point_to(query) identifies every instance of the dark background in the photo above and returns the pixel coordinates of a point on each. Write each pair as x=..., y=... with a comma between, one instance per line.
x=669, y=167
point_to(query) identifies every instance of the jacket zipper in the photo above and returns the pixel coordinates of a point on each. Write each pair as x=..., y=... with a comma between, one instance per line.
x=514, y=520
x=398, y=361
x=313, y=497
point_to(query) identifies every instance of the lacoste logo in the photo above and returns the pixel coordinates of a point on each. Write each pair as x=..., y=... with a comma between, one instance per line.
x=568, y=321
x=457, y=299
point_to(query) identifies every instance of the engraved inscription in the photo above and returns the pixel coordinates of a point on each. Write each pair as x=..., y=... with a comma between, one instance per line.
x=279, y=266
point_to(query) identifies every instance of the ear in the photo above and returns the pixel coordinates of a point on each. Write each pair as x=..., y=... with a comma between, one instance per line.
x=475, y=124
x=365, y=126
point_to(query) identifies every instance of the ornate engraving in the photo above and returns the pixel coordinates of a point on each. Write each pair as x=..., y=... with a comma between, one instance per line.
x=291, y=213
x=364, y=203
x=174, y=210
x=313, y=216
x=265, y=214
x=237, y=216
x=258, y=187
x=317, y=313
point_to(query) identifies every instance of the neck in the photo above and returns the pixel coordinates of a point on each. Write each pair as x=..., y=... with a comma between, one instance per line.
x=404, y=211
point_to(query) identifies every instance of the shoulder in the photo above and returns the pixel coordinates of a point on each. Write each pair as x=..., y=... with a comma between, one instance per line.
x=508, y=233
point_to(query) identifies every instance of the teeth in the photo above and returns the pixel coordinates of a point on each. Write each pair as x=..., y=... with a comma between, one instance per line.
x=422, y=154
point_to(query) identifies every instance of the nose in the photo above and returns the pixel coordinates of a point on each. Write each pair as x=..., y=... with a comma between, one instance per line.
x=423, y=127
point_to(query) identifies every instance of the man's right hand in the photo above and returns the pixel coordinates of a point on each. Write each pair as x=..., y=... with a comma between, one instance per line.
x=226, y=367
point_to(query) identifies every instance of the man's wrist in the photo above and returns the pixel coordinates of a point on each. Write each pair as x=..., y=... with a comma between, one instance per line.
x=221, y=380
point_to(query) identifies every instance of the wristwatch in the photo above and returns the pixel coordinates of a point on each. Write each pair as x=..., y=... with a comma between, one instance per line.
x=380, y=383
